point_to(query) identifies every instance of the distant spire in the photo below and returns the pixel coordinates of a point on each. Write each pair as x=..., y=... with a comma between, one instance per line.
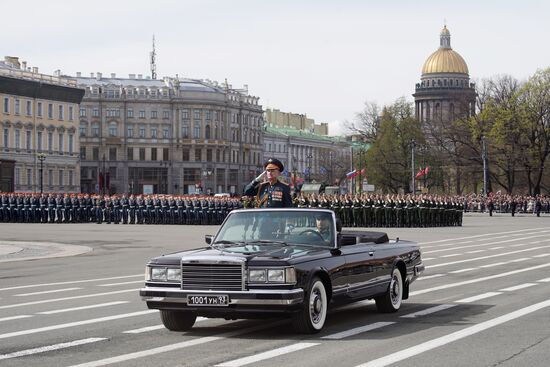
x=445, y=38
x=153, y=63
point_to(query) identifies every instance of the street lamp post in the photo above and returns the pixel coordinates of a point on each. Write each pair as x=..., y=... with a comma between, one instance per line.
x=41, y=157
x=309, y=158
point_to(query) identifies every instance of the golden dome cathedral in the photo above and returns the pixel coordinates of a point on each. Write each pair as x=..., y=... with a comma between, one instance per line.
x=445, y=59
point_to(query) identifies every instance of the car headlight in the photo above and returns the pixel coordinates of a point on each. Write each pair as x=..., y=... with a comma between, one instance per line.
x=257, y=276
x=290, y=275
x=173, y=275
x=276, y=275
x=158, y=273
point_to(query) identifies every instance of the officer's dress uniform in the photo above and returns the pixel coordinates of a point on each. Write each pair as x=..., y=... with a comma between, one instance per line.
x=276, y=195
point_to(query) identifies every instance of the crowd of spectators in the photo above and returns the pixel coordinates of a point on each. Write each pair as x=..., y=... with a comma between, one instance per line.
x=504, y=203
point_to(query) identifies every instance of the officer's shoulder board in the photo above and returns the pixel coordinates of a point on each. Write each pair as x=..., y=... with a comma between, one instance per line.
x=284, y=183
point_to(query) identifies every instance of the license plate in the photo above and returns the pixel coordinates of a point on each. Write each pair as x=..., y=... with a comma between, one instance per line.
x=199, y=300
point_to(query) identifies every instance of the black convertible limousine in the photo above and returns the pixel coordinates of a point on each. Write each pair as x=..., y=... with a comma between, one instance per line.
x=294, y=262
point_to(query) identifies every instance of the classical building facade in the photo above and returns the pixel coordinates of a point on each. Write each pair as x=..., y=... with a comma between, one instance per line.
x=39, y=117
x=288, y=120
x=308, y=156
x=174, y=135
x=444, y=91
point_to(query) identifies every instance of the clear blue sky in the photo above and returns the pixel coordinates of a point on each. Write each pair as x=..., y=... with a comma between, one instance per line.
x=321, y=58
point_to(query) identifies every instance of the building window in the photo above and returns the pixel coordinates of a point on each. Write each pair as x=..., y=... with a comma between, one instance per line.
x=207, y=132
x=142, y=131
x=29, y=108
x=61, y=143
x=197, y=114
x=95, y=112
x=129, y=131
x=82, y=112
x=29, y=177
x=95, y=153
x=153, y=132
x=71, y=139
x=39, y=109
x=82, y=130
x=61, y=176
x=185, y=131
x=95, y=130
x=185, y=155
x=60, y=116
x=39, y=141
x=17, y=106
x=17, y=139
x=130, y=154
x=209, y=155
x=112, y=129
x=141, y=114
x=70, y=113
x=165, y=133
x=112, y=154
x=198, y=154
x=29, y=140
x=208, y=115
x=184, y=114
x=71, y=177
x=141, y=154
x=6, y=138
x=83, y=153
x=153, y=114
x=153, y=154
x=165, y=154
x=50, y=111
x=6, y=105
x=196, y=130
x=130, y=113
x=165, y=114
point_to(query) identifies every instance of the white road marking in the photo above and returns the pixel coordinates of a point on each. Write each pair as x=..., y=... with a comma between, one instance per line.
x=171, y=347
x=486, y=257
x=357, y=330
x=477, y=280
x=451, y=255
x=519, y=260
x=462, y=270
x=478, y=297
x=429, y=258
x=67, y=298
x=47, y=292
x=517, y=232
x=430, y=277
x=76, y=323
x=266, y=355
x=82, y=308
x=492, y=265
x=446, y=339
x=496, y=248
x=429, y=311
x=71, y=282
x=542, y=255
x=475, y=251
x=49, y=348
x=123, y=283
x=15, y=317
x=545, y=280
x=155, y=327
x=517, y=287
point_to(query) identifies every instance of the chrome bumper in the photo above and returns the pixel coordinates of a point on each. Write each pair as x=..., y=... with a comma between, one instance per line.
x=419, y=269
x=269, y=297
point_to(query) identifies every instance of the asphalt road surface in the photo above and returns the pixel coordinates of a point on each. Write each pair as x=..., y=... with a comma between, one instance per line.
x=484, y=300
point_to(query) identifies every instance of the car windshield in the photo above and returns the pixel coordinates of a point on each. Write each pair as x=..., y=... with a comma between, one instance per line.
x=282, y=227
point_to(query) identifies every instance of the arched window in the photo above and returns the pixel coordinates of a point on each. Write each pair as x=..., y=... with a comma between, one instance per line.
x=445, y=82
x=207, y=132
x=196, y=130
x=113, y=129
x=428, y=111
x=451, y=82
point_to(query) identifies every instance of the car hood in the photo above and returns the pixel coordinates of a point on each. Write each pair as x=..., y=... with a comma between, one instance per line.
x=263, y=254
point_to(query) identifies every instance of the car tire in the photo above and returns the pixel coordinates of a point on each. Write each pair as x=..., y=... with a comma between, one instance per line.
x=311, y=318
x=177, y=320
x=391, y=300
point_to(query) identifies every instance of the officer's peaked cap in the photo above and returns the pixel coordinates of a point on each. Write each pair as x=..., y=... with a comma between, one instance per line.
x=275, y=162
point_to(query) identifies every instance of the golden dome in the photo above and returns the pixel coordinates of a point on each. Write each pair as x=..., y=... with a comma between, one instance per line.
x=445, y=60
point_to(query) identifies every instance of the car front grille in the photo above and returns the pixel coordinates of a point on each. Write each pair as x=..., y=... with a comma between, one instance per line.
x=208, y=276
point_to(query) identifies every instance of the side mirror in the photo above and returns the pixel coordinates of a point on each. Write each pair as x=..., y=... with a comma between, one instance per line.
x=208, y=238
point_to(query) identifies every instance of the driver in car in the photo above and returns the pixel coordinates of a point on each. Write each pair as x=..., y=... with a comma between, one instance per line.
x=323, y=224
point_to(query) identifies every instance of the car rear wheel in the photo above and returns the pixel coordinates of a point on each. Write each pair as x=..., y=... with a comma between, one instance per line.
x=391, y=300
x=312, y=316
x=177, y=320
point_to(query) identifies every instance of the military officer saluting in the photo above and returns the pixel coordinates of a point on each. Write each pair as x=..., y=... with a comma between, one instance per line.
x=270, y=193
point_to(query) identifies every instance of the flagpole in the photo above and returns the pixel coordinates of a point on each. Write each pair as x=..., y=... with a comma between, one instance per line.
x=413, y=146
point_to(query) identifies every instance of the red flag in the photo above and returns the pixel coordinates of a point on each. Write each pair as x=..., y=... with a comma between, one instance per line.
x=426, y=170
x=363, y=171
x=420, y=173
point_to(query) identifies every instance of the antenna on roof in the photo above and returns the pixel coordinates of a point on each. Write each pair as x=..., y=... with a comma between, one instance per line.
x=153, y=64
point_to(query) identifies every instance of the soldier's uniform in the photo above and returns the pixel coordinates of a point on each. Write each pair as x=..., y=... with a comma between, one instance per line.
x=270, y=195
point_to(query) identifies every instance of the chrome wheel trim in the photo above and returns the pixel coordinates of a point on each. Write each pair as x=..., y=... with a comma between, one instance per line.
x=317, y=305
x=395, y=290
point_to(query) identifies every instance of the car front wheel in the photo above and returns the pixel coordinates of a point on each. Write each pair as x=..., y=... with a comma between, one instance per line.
x=312, y=316
x=391, y=300
x=177, y=320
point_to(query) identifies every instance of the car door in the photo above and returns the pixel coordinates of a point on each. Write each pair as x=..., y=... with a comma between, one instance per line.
x=361, y=268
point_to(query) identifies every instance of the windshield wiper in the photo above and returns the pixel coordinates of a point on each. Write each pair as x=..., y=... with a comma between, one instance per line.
x=268, y=241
